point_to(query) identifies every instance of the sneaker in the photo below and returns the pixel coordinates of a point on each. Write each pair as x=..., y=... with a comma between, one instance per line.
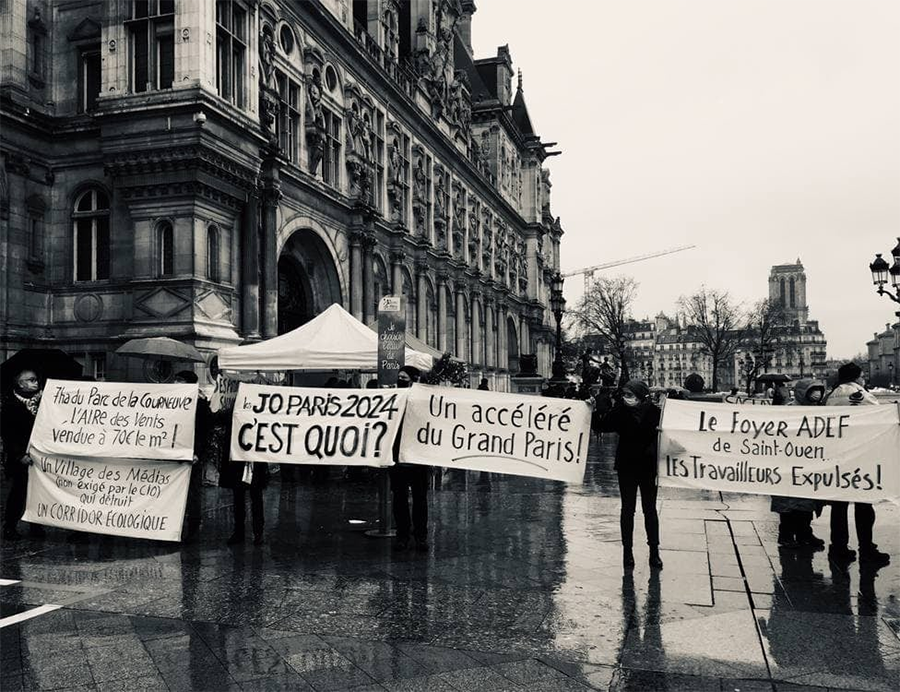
x=235, y=539
x=871, y=556
x=841, y=554
x=627, y=558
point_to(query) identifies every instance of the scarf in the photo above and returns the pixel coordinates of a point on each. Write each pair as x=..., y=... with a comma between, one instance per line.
x=31, y=403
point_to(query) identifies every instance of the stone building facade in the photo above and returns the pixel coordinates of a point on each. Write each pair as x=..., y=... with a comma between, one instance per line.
x=223, y=171
x=883, y=352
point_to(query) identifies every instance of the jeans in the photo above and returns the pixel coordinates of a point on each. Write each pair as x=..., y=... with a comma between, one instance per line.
x=629, y=484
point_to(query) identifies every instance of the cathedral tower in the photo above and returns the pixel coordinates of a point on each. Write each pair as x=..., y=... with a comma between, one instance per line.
x=787, y=286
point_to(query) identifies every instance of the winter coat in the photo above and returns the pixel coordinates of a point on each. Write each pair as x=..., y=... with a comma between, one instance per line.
x=782, y=504
x=16, y=423
x=850, y=394
x=802, y=390
x=636, y=427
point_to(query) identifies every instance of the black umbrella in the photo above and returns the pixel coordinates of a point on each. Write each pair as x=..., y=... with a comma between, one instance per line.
x=46, y=362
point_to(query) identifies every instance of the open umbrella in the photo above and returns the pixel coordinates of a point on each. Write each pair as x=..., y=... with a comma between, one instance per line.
x=46, y=362
x=160, y=348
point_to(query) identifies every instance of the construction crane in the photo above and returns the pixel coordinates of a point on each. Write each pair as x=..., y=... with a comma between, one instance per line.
x=589, y=271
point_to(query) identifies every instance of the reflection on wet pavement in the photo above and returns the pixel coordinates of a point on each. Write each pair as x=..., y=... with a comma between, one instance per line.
x=522, y=589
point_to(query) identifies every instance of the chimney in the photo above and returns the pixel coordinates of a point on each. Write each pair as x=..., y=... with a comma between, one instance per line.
x=464, y=26
x=504, y=75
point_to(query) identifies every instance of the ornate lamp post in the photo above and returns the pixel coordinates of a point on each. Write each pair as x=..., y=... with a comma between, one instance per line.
x=558, y=307
x=881, y=271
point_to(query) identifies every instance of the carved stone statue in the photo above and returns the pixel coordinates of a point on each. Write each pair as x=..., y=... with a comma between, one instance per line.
x=420, y=181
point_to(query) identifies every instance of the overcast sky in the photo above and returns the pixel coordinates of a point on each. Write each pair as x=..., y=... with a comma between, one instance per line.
x=759, y=130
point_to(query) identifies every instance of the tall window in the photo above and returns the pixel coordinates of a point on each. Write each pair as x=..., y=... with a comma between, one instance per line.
x=165, y=243
x=212, y=253
x=331, y=166
x=403, y=150
x=231, y=51
x=151, y=31
x=378, y=187
x=88, y=79
x=288, y=122
x=91, y=236
x=793, y=289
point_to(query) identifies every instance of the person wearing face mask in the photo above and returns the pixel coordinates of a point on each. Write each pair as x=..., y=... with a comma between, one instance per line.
x=635, y=419
x=20, y=406
x=795, y=513
x=406, y=479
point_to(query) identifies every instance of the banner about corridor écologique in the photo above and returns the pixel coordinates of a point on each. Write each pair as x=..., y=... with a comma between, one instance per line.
x=299, y=425
x=116, y=420
x=491, y=431
x=120, y=497
x=849, y=453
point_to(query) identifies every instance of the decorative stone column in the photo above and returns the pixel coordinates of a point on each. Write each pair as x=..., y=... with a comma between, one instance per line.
x=369, y=309
x=502, y=337
x=489, y=336
x=477, y=336
x=442, y=313
x=271, y=196
x=422, y=302
x=460, y=323
x=397, y=273
x=356, y=275
x=250, y=268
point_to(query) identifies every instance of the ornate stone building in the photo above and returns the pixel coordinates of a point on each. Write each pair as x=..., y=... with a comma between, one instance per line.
x=223, y=171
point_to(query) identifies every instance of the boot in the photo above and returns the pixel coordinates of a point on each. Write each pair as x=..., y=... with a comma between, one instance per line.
x=627, y=558
x=841, y=554
x=870, y=555
x=655, y=560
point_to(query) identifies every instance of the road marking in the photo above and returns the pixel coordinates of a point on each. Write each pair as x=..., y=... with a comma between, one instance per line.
x=8, y=582
x=28, y=614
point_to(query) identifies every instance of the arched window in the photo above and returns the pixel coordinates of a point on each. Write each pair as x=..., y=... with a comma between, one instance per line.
x=783, y=294
x=90, y=242
x=793, y=286
x=165, y=243
x=212, y=253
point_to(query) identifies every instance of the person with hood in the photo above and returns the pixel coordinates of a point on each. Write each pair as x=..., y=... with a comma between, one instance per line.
x=795, y=513
x=20, y=407
x=406, y=479
x=850, y=391
x=635, y=419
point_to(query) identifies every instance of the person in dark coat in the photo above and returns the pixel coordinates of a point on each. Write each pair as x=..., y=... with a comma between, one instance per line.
x=20, y=407
x=483, y=385
x=635, y=419
x=202, y=429
x=406, y=479
x=242, y=477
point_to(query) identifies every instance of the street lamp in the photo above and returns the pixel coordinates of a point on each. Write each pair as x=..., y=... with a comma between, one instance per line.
x=882, y=271
x=558, y=307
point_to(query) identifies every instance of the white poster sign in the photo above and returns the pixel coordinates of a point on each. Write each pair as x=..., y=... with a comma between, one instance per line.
x=298, y=425
x=116, y=420
x=490, y=431
x=120, y=497
x=847, y=453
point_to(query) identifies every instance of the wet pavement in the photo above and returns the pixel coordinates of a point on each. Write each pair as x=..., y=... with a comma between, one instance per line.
x=522, y=588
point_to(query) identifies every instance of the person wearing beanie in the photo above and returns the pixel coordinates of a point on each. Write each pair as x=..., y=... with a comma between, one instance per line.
x=850, y=391
x=795, y=513
x=635, y=419
x=409, y=479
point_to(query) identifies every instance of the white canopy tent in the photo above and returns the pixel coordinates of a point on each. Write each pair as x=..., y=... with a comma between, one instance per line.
x=333, y=340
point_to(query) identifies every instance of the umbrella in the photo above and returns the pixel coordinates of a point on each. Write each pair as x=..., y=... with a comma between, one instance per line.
x=46, y=362
x=160, y=348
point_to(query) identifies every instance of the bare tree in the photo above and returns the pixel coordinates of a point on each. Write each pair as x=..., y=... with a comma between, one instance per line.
x=604, y=310
x=719, y=325
x=760, y=338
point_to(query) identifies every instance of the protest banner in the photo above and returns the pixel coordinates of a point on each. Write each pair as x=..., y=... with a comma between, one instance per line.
x=391, y=338
x=298, y=425
x=116, y=420
x=849, y=453
x=490, y=431
x=120, y=497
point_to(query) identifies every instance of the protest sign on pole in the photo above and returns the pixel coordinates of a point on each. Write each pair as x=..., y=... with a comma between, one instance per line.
x=120, y=497
x=491, y=431
x=849, y=453
x=391, y=338
x=116, y=420
x=297, y=425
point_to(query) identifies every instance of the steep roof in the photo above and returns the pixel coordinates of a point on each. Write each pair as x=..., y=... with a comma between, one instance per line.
x=463, y=61
x=520, y=112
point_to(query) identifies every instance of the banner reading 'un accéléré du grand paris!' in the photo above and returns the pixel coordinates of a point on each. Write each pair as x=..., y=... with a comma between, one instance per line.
x=849, y=453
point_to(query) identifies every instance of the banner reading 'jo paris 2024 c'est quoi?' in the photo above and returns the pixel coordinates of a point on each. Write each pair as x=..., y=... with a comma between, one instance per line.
x=298, y=425
x=491, y=431
x=849, y=453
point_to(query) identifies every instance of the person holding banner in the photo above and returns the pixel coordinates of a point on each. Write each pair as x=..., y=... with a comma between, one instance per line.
x=20, y=406
x=242, y=477
x=850, y=391
x=635, y=419
x=410, y=478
